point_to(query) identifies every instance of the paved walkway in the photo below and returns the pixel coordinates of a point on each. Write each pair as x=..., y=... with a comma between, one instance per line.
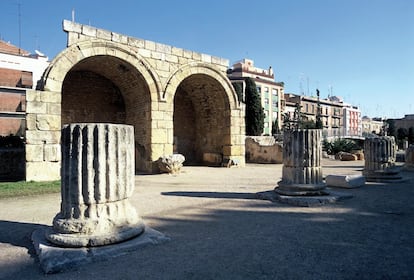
x=219, y=230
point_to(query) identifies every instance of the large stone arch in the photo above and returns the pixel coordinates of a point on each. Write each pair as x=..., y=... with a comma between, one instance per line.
x=203, y=100
x=101, y=81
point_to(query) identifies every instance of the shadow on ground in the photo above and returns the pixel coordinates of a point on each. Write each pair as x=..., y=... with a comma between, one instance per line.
x=233, y=236
x=18, y=234
x=226, y=195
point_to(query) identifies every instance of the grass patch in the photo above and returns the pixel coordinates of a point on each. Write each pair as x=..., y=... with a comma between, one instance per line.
x=23, y=188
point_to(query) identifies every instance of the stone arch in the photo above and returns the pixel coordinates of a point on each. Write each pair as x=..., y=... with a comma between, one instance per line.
x=102, y=81
x=200, y=68
x=203, y=100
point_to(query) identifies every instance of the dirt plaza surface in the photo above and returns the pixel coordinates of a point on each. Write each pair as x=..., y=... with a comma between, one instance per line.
x=219, y=229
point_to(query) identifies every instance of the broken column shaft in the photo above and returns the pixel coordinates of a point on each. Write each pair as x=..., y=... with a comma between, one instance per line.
x=380, y=156
x=302, y=171
x=97, y=172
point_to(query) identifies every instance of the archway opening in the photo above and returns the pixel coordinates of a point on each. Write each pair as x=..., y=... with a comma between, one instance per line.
x=201, y=120
x=108, y=89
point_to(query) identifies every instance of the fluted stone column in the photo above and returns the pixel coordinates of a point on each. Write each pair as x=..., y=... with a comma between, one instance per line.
x=97, y=180
x=302, y=171
x=380, y=155
x=409, y=158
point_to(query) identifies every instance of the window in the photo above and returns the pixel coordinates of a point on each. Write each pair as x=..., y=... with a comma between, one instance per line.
x=266, y=101
x=274, y=103
x=274, y=92
x=259, y=89
x=266, y=90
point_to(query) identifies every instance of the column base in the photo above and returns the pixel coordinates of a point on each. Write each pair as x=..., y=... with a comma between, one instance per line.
x=383, y=176
x=304, y=201
x=76, y=240
x=301, y=189
x=53, y=259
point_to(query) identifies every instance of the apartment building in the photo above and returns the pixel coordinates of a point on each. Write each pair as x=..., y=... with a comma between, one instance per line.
x=270, y=91
x=352, y=120
x=19, y=70
x=338, y=118
x=371, y=126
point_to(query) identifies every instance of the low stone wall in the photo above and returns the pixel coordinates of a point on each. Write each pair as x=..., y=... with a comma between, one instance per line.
x=12, y=163
x=263, y=149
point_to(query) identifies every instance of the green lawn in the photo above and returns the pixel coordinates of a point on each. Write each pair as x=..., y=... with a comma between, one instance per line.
x=23, y=188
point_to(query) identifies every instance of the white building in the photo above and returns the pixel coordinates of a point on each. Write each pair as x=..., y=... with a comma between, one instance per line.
x=13, y=58
x=19, y=71
x=270, y=91
x=352, y=120
x=371, y=126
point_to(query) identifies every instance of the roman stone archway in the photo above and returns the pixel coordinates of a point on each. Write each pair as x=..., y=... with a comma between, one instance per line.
x=203, y=101
x=108, y=85
x=178, y=100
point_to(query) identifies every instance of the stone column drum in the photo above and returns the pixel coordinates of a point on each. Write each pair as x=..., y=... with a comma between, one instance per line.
x=97, y=176
x=302, y=171
x=380, y=156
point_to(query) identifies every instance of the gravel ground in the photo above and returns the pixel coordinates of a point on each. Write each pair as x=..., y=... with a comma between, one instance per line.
x=220, y=230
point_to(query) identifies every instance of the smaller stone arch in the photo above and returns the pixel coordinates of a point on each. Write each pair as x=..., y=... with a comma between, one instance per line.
x=200, y=68
x=205, y=113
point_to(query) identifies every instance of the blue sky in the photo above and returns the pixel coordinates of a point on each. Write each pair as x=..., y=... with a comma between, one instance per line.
x=361, y=50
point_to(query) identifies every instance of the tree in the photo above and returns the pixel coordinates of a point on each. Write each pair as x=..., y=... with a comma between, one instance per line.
x=275, y=127
x=254, y=112
x=238, y=87
x=402, y=133
x=391, y=128
x=308, y=124
x=287, y=122
x=411, y=135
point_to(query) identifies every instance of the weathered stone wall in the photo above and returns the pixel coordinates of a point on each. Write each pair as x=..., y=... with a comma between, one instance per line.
x=80, y=88
x=263, y=149
x=43, y=123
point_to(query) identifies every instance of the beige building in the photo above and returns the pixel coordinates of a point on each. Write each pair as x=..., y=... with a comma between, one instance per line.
x=271, y=92
x=338, y=118
x=331, y=112
x=371, y=126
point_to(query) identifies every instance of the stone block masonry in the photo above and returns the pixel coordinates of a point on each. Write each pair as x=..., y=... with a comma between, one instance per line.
x=146, y=48
x=42, y=136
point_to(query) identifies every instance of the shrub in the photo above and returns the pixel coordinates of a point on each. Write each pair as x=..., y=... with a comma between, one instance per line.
x=339, y=145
